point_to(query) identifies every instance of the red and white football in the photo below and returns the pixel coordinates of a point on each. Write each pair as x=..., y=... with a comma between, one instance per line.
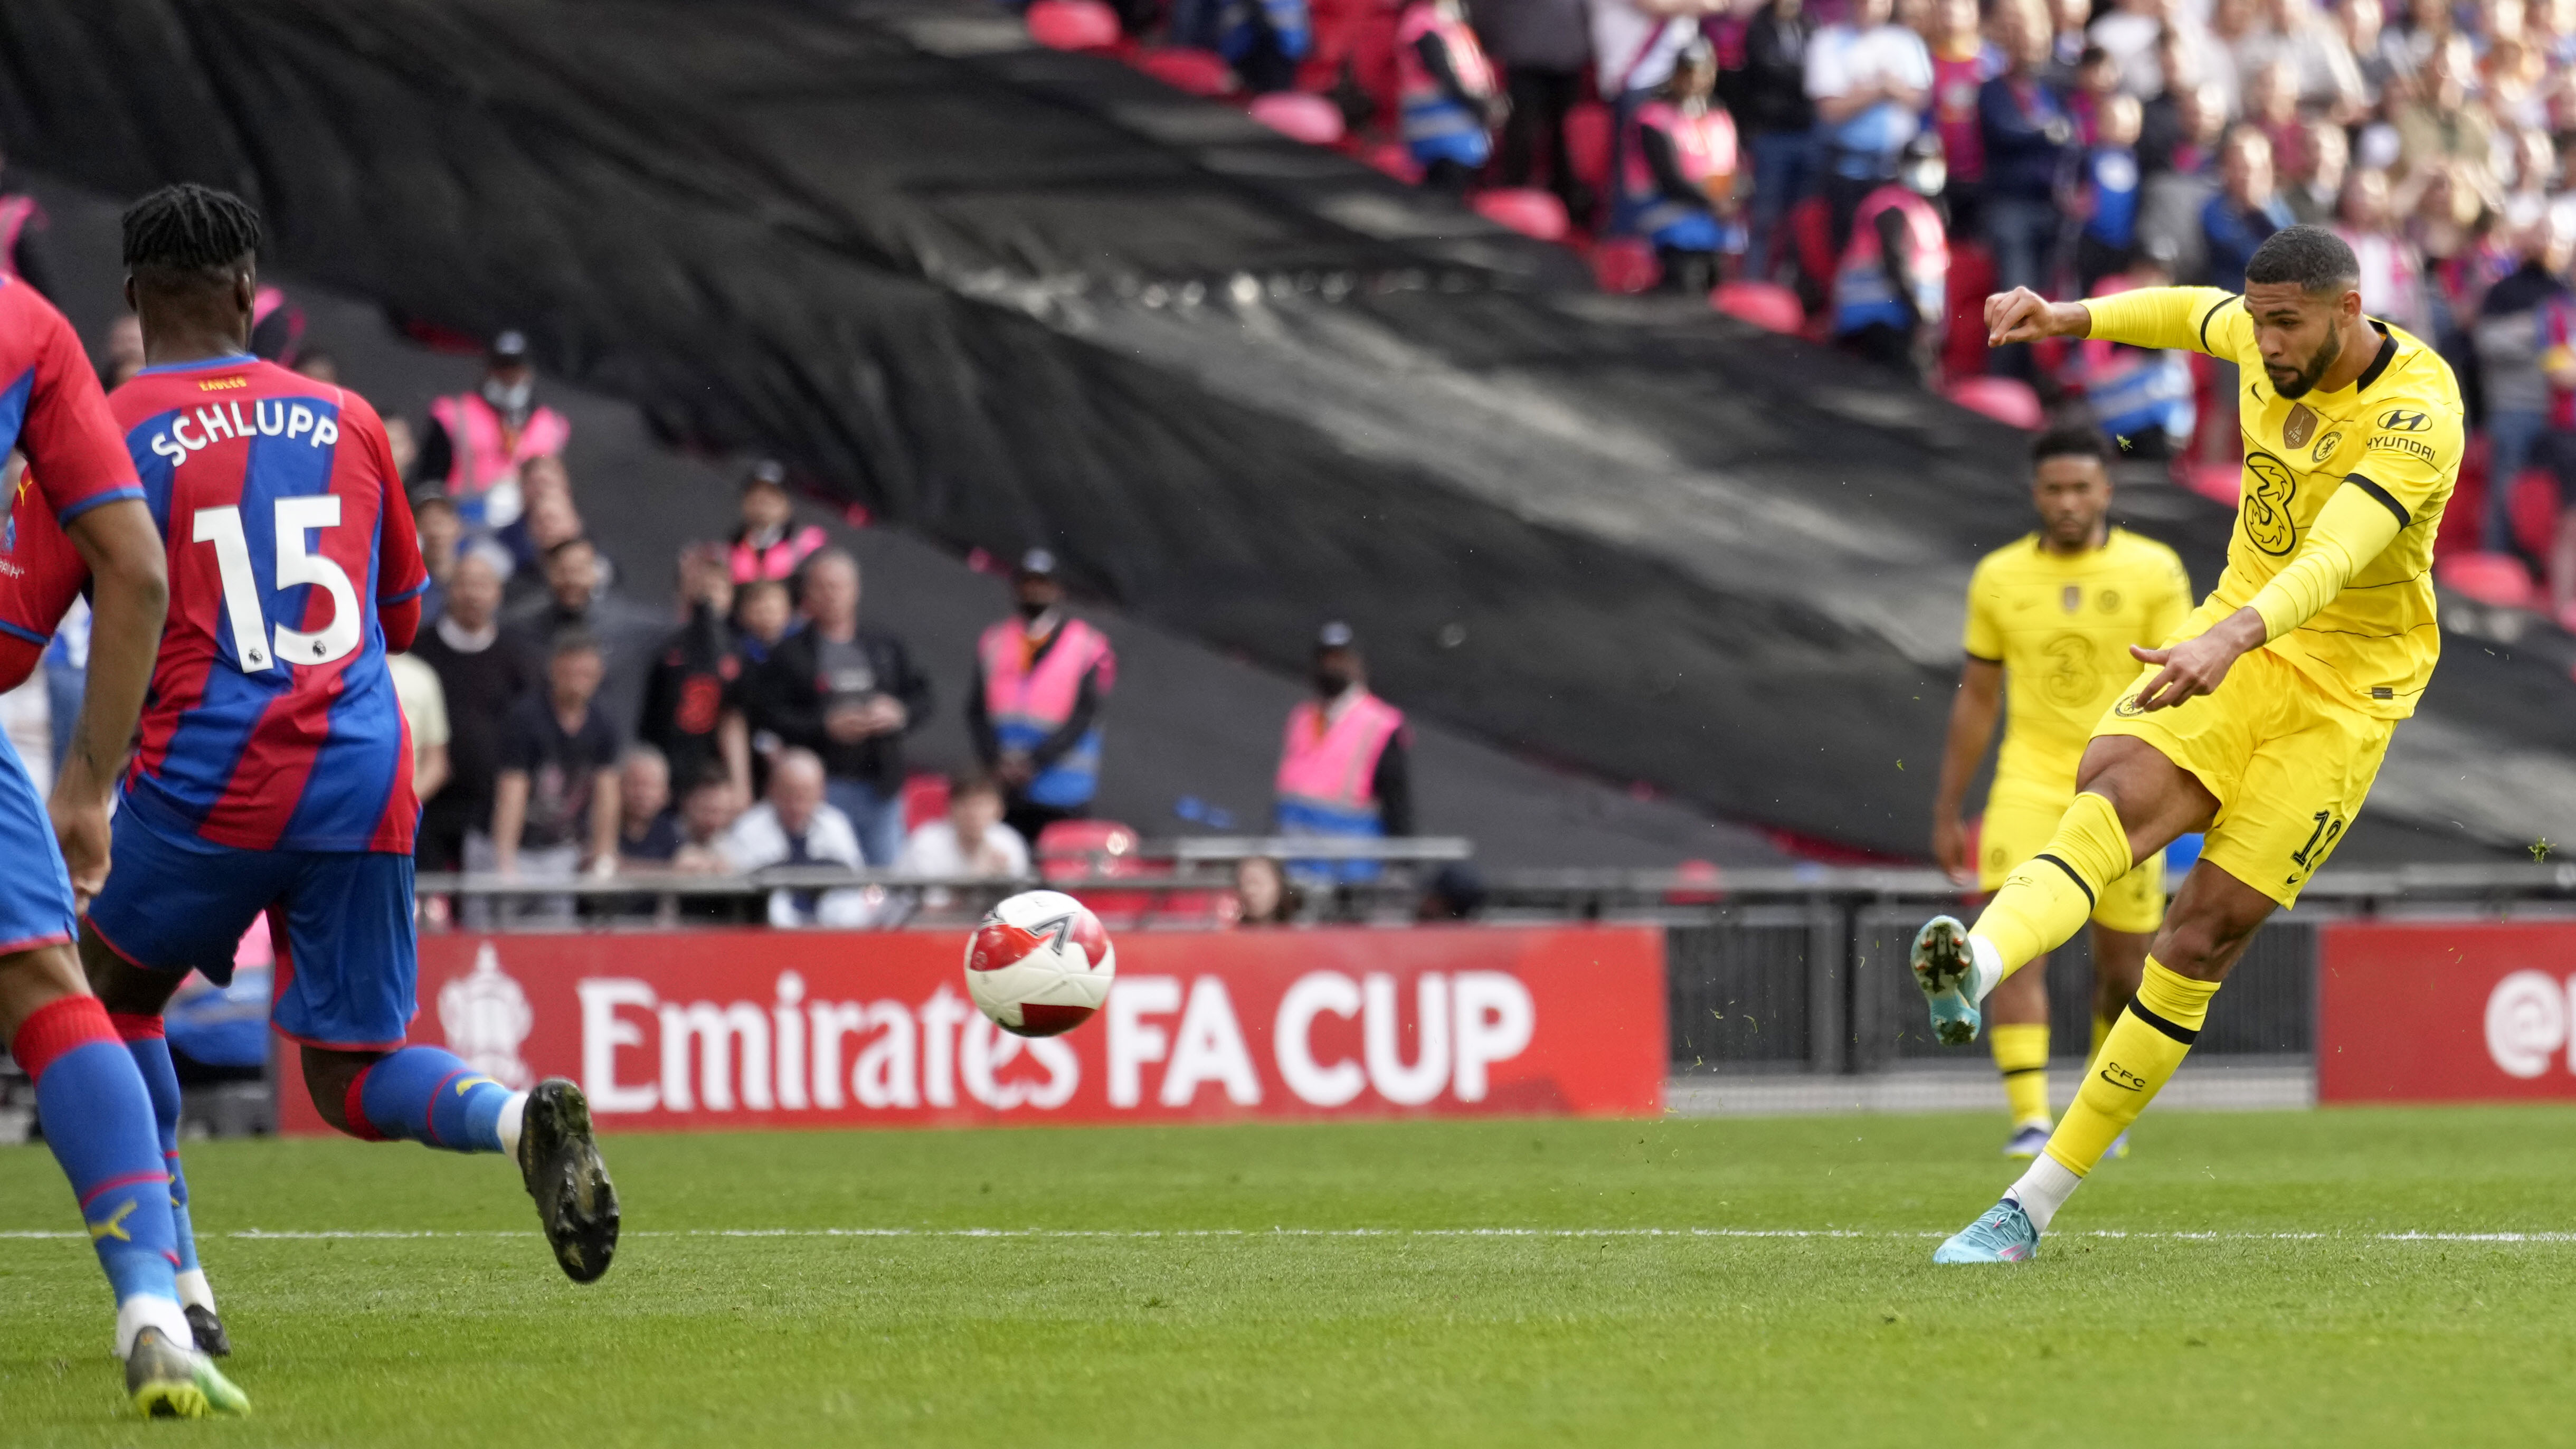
x=1040, y=964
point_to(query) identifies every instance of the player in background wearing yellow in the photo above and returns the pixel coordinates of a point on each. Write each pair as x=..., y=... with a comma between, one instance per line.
x=2266, y=720
x=2051, y=618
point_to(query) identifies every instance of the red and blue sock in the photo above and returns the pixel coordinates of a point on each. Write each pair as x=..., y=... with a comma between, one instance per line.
x=150, y=1047
x=425, y=1094
x=98, y=1121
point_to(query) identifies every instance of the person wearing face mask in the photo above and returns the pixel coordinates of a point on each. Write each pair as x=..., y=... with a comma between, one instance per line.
x=1344, y=764
x=1034, y=709
x=476, y=441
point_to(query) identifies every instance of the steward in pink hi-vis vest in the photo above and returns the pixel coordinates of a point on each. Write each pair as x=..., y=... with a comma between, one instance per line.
x=483, y=451
x=1328, y=767
x=1029, y=700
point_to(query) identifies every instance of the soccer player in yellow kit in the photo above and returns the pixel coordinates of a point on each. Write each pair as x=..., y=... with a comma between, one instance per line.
x=2051, y=619
x=2265, y=721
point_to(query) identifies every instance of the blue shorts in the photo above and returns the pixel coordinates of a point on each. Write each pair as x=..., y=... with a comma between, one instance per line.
x=347, y=955
x=35, y=889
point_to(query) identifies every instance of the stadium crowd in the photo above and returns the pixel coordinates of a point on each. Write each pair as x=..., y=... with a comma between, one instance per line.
x=564, y=729
x=1865, y=171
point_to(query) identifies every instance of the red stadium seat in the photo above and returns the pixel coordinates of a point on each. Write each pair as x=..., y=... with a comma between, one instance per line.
x=2495, y=579
x=1527, y=210
x=1073, y=25
x=1199, y=72
x=2534, y=511
x=1299, y=116
x=1697, y=883
x=925, y=798
x=1396, y=160
x=1587, y=145
x=1074, y=850
x=2217, y=482
x=2005, y=399
x=1625, y=264
x=1766, y=305
x=1963, y=341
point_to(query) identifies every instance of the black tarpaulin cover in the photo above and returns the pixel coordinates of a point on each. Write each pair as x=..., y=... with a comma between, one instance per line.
x=1004, y=296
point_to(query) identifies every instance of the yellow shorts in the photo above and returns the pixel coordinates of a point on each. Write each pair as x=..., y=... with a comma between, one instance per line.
x=2290, y=766
x=2018, y=825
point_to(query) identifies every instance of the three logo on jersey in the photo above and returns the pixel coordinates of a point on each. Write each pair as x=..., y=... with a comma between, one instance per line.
x=268, y=418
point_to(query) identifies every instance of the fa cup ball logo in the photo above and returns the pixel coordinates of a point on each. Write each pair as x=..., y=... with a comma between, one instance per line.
x=486, y=1017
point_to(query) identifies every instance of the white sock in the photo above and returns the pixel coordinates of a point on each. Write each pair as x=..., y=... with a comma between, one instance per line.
x=512, y=1112
x=1986, y=969
x=148, y=1310
x=2044, y=1189
x=195, y=1292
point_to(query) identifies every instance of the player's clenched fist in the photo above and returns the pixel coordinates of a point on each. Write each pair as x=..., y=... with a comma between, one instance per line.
x=2022, y=315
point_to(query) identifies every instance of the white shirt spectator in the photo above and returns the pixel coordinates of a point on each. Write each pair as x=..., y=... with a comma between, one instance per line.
x=1841, y=60
x=934, y=851
x=1632, y=50
x=760, y=839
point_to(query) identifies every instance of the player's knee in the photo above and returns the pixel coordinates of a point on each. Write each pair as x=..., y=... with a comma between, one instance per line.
x=328, y=1076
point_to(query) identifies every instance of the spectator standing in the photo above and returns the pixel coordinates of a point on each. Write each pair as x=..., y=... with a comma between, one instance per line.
x=1040, y=681
x=1678, y=175
x=440, y=533
x=1869, y=80
x=476, y=441
x=768, y=544
x=1542, y=46
x=2030, y=147
x=1892, y=287
x=2513, y=341
x=693, y=710
x=2246, y=211
x=1963, y=60
x=1768, y=98
x=849, y=695
x=424, y=711
x=2392, y=271
x=2444, y=122
x=797, y=826
x=2130, y=35
x=554, y=807
x=482, y=675
x=648, y=829
x=970, y=842
x=625, y=633
x=1634, y=44
x=2107, y=241
x=2315, y=193
x=1446, y=92
x=2180, y=183
x=1344, y=762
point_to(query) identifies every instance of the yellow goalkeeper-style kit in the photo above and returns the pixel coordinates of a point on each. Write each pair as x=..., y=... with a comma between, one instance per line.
x=2341, y=495
x=2061, y=627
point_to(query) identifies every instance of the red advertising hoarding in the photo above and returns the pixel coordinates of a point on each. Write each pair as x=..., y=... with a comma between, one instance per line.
x=737, y=1029
x=2448, y=1011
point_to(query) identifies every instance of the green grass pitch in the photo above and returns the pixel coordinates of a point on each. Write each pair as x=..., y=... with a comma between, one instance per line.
x=1160, y=1306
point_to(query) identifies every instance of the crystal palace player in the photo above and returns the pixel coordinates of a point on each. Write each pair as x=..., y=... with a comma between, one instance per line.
x=2266, y=716
x=275, y=768
x=79, y=512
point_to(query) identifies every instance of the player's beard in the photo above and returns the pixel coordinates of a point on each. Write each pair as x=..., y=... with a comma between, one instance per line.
x=2329, y=352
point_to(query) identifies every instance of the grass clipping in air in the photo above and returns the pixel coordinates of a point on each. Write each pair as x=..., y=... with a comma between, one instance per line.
x=1145, y=1298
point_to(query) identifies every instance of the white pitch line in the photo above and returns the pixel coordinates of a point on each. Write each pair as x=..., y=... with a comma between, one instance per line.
x=369, y=1235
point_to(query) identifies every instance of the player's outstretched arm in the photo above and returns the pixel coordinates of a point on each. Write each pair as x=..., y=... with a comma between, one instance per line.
x=125, y=558
x=2356, y=525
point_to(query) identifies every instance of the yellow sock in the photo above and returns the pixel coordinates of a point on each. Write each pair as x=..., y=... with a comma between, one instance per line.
x=2141, y=1053
x=2021, y=1054
x=2048, y=899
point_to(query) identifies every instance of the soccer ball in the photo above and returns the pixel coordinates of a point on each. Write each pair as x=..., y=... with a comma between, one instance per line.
x=1040, y=964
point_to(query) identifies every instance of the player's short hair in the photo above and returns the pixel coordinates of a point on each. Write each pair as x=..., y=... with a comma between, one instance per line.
x=189, y=233
x=2071, y=440
x=2310, y=257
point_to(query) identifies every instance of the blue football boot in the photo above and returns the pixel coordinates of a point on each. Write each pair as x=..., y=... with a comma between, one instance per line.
x=2027, y=1140
x=2003, y=1235
x=1942, y=967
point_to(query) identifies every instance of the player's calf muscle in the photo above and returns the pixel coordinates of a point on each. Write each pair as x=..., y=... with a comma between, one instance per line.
x=2213, y=920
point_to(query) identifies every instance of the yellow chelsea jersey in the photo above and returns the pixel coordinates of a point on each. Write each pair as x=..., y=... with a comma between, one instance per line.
x=2397, y=433
x=2061, y=627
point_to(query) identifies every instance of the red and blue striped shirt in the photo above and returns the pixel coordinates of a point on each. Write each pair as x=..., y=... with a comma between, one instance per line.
x=53, y=412
x=272, y=722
